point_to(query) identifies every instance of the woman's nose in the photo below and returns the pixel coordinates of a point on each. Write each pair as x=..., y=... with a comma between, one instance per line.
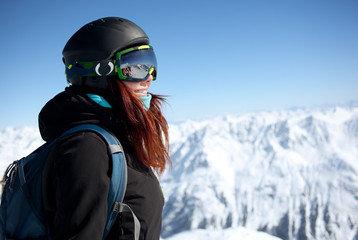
x=149, y=79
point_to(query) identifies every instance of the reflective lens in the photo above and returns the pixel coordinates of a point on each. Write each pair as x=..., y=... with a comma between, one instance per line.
x=136, y=64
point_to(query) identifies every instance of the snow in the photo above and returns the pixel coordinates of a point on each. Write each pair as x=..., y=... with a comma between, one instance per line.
x=226, y=234
x=16, y=143
x=292, y=174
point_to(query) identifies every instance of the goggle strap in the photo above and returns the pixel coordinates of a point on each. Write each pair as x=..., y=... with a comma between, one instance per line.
x=91, y=69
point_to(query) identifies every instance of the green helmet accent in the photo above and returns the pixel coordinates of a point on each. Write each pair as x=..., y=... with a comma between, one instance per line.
x=99, y=41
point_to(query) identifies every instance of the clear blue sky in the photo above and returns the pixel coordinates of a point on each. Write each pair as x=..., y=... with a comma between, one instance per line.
x=215, y=57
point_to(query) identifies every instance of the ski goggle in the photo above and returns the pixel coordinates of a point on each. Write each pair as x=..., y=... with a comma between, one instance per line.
x=134, y=64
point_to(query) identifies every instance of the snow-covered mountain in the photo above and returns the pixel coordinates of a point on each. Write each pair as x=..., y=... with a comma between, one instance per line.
x=17, y=142
x=291, y=174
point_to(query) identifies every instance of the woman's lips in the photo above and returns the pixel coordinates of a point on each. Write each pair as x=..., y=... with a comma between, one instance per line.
x=141, y=92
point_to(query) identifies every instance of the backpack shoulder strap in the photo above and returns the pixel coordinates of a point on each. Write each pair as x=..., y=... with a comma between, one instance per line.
x=118, y=182
x=119, y=169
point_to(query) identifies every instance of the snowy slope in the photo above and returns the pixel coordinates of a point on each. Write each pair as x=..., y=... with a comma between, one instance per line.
x=225, y=234
x=292, y=174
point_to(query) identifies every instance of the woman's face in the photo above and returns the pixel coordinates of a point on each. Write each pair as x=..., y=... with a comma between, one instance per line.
x=140, y=89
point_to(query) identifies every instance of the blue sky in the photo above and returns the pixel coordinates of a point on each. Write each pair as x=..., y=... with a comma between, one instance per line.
x=215, y=57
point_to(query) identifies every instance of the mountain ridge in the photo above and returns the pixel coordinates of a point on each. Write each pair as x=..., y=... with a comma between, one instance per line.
x=291, y=173
x=249, y=164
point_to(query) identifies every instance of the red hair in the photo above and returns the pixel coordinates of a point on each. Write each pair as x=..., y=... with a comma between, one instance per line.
x=147, y=130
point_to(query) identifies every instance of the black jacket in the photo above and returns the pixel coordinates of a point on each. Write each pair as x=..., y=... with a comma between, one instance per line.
x=77, y=175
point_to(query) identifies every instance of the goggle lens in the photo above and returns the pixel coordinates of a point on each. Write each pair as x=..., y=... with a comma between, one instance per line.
x=136, y=64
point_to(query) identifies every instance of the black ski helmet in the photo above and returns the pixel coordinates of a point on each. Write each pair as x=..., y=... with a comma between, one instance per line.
x=100, y=40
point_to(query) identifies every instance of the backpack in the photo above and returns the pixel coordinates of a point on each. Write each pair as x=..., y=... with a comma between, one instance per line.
x=21, y=212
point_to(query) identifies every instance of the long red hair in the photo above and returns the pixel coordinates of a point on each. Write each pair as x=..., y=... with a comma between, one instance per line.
x=147, y=130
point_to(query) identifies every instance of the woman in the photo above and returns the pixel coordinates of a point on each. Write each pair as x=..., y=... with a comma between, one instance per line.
x=110, y=67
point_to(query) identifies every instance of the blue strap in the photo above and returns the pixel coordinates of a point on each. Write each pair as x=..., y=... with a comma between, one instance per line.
x=118, y=183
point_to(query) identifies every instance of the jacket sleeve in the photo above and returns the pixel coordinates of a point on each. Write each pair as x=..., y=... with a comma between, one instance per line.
x=80, y=181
